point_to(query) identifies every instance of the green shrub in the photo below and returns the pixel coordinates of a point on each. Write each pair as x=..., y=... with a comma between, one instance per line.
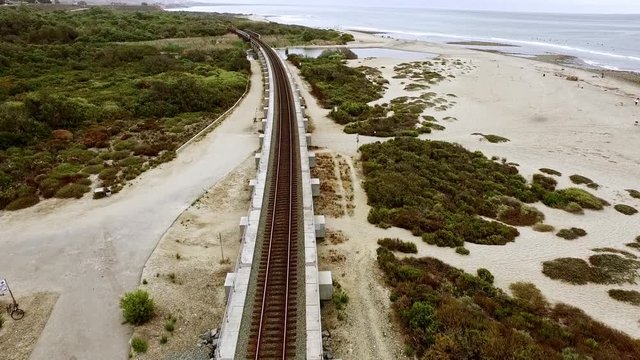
x=579, y=179
x=23, y=202
x=634, y=193
x=546, y=182
x=571, y=234
x=139, y=345
x=574, y=208
x=528, y=295
x=550, y=172
x=493, y=138
x=561, y=198
x=421, y=319
x=601, y=269
x=340, y=299
x=462, y=250
x=163, y=339
x=543, y=227
x=72, y=191
x=485, y=275
x=629, y=296
x=513, y=212
x=170, y=324
x=443, y=238
x=108, y=173
x=137, y=307
x=626, y=209
x=399, y=245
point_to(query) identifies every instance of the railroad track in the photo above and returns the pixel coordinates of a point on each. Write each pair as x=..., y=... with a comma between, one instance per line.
x=274, y=320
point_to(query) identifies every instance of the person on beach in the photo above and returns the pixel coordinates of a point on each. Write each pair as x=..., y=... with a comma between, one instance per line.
x=637, y=101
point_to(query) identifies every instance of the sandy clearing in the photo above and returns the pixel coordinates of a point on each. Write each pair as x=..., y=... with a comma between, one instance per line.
x=18, y=337
x=576, y=128
x=91, y=252
x=196, y=298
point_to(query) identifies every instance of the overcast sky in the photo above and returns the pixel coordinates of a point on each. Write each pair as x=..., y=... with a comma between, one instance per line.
x=571, y=6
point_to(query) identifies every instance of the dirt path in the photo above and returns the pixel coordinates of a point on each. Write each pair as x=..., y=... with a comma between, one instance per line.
x=190, y=250
x=340, y=186
x=91, y=252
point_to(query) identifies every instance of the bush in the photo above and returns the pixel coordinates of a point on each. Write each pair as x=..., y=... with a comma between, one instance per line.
x=634, y=193
x=543, y=227
x=137, y=307
x=421, y=320
x=559, y=199
x=399, y=245
x=626, y=209
x=528, y=295
x=629, y=296
x=579, y=180
x=485, y=275
x=340, y=299
x=550, y=172
x=546, y=182
x=571, y=234
x=72, y=191
x=170, y=324
x=139, y=345
x=513, y=212
x=462, y=250
x=601, y=269
x=23, y=202
x=163, y=339
x=108, y=173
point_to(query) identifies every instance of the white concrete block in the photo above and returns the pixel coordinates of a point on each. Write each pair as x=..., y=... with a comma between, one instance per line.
x=261, y=137
x=264, y=125
x=252, y=185
x=228, y=284
x=326, y=285
x=320, y=226
x=312, y=159
x=244, y=222
x=308, y=136
x=305, y=123
x=257, y=157
x=315, y=187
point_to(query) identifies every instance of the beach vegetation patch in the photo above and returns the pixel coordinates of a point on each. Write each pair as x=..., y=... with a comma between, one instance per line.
x=600, y=269
x=494, y=139
x=462, y=251
x=513, y=212
x=398, y=245
x=582, y=180
x=137, y=307
x=560, y=199
x=634, y=193
x=543, y=227
x=571, y=234
x=446, y=313
x=545, y=182
x=550, y=172
x=626, y=254
x=626, y=209
x=629, y=296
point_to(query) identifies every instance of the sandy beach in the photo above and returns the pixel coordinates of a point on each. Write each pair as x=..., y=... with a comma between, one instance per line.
x=584, y=127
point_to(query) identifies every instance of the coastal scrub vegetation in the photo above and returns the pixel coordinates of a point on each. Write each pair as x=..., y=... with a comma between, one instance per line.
x=629, y=296
x=625, y=209
x=398, y=245
x=137, y=307
x=90, y=93
x=550, y=172
x=600, y=269
x=494, y=139
x=449, y=195
x=347, y=91
x=446, y=313
x=634, y=193
x=571, y=234
x=582, y=180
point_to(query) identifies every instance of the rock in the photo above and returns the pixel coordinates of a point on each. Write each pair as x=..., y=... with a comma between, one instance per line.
x=326, y=333
x=327, y=355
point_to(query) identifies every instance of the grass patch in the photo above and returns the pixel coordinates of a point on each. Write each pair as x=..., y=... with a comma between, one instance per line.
x=446, y=313
x=571, y=234
x=601, y=269
x=494, y=139
x=462, y=251
x=625, y=209
x=629, y=296
x=543, y=227
x=398, y=245
x=513, y=212
x=170, y=324
x=139, y=345
x=546, y=182
x=563, y=199
x=550, y=172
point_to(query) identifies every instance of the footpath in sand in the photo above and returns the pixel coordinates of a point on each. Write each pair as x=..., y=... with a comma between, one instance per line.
x=585, y=127
x=91, y=252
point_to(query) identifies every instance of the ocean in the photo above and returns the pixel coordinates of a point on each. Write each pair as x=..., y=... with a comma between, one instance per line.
x=605, y=41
